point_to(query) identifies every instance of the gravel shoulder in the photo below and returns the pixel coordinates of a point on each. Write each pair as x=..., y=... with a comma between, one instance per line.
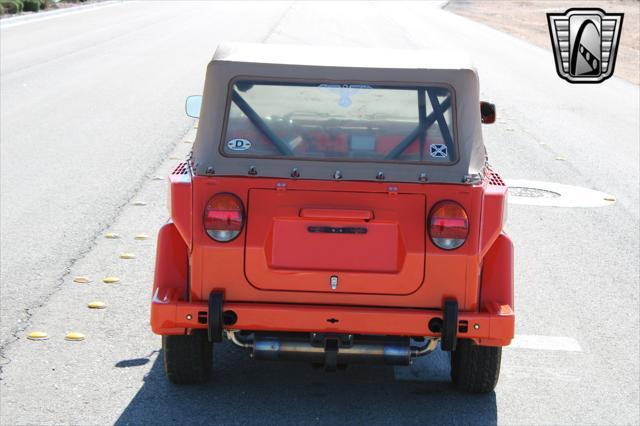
x=527, y=20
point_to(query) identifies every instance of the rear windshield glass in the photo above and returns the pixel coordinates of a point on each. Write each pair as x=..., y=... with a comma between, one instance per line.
x=340, y=122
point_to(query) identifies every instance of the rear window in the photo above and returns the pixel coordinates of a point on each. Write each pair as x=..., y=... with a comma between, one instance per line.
x=347, y=122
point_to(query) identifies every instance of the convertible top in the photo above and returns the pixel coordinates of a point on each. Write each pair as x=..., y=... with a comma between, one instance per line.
x=289, y=63
x=326, y=56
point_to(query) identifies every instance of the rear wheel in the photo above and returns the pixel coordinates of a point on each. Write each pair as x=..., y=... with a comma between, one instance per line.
x=187, y=358
x=475, y=368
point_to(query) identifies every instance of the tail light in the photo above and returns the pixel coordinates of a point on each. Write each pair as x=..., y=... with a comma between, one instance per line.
x=224, y=217
x=448, y=225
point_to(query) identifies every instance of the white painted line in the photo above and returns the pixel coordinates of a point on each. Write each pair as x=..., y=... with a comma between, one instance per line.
x=545, y=343
x=56, y=13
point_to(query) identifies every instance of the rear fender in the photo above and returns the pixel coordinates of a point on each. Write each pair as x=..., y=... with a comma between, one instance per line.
x=171, y=274
x=180, y=203
x=494, y=205
x=497, y=274
x=496, y=289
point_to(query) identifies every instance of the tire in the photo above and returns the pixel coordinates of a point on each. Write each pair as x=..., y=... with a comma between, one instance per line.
x=187, y=358
x=474, y=368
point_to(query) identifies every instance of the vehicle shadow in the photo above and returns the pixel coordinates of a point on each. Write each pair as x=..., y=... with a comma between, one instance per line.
x=243, y=391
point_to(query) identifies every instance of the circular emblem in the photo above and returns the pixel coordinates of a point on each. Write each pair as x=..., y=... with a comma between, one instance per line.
x=238, y=144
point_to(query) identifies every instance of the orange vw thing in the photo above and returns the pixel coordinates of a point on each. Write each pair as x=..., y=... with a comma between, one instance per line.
x=337, y=208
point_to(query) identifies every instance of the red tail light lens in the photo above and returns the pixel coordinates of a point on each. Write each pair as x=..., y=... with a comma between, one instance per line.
x=448, y=225
x=224, y=217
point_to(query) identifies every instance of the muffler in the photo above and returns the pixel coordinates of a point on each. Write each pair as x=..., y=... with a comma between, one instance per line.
x=330, y=350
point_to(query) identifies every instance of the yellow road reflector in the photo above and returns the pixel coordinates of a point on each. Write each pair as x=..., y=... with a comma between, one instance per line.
x=174, y=157
x=187, y=141
x=561, y=159
x=127, y=255
x=158, y=178
x=111, y=280
x=141, y=237
x=96, y=305
x=111, y=235
x=81, y=279
x=139, y=203
x=74, y=336
x=195, y=126
x=37, y=335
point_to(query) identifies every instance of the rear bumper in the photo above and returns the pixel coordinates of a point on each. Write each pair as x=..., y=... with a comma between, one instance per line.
x=494, y=327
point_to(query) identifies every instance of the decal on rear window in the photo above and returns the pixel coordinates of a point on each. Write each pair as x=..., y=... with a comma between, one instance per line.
x=239, y=144
x=438, y=150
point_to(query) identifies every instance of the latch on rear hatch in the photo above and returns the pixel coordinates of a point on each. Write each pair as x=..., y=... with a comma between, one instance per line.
x=334, y=282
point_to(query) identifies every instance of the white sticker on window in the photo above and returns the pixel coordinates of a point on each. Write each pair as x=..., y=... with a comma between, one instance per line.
x=238, y=144
x=438, y=150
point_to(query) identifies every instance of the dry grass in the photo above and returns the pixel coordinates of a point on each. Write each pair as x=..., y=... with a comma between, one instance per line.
x=527, y=20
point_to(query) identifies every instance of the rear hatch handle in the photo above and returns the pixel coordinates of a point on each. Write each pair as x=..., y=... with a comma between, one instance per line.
x=337, y=214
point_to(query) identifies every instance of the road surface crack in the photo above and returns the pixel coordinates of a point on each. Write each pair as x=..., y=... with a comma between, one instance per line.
x=16, y=332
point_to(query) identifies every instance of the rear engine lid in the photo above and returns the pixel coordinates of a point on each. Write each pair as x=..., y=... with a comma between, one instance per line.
x=345, y=242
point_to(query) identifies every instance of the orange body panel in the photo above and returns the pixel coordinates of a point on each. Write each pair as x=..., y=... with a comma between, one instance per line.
x=497, y=274
x=281, y=254
x=180, y=201
x=282, y=287
x=171, y=275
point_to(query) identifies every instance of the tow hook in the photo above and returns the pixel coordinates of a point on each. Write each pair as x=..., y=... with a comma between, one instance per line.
x=331, y=345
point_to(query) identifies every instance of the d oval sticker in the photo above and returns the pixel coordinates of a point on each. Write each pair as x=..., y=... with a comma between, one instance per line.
x=239, y=144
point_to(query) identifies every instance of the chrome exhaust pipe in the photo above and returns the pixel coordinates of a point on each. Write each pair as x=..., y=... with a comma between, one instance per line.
x=331, y=350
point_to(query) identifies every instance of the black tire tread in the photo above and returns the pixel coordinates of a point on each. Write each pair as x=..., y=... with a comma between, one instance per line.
x=474, y=368
x=187, y=358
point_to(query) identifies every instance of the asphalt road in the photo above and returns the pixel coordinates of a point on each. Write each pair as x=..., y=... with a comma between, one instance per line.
x=92, y=109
